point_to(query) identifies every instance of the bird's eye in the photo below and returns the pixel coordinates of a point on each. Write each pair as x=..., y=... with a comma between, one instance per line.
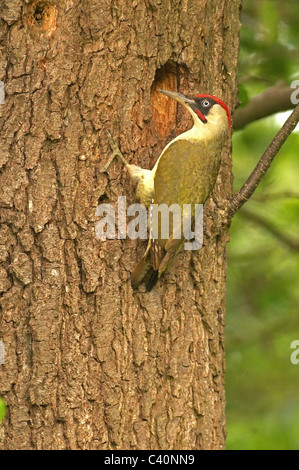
x=205, y=103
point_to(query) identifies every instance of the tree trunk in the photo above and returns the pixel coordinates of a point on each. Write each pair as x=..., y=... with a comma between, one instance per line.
x=90, y=364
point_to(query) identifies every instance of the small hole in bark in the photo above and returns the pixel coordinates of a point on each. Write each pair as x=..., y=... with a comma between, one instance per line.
x=42, y=17
x=39, y=12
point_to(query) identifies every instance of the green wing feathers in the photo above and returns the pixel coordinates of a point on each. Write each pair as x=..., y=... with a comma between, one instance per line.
x=185, y=174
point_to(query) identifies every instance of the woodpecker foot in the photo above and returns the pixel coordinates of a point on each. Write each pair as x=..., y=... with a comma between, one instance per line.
x=115, y=152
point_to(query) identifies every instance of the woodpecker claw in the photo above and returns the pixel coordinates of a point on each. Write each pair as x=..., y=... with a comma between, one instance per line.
x=115, y=152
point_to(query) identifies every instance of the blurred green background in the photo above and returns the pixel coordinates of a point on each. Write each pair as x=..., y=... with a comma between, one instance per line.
x=263, y=267
x=2, y=409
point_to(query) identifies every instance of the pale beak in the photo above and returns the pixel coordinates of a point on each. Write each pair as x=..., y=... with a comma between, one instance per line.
x=179, y=97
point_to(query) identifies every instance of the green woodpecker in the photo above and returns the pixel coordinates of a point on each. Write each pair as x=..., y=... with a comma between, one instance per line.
x=185, y=173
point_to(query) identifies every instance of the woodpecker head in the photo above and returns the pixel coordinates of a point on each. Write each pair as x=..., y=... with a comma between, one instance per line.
x=205, y=109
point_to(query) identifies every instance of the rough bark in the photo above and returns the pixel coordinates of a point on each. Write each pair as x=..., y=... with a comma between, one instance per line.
x=88, y=363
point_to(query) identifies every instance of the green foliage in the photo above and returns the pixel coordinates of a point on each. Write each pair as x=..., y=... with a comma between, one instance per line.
x=263, y=271
x=243, y=95
x=2, y=409
x=269, y=43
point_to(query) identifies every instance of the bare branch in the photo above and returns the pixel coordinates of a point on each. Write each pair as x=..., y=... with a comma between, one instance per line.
x=261, y=221
x=273, y=100
x=263, y=165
